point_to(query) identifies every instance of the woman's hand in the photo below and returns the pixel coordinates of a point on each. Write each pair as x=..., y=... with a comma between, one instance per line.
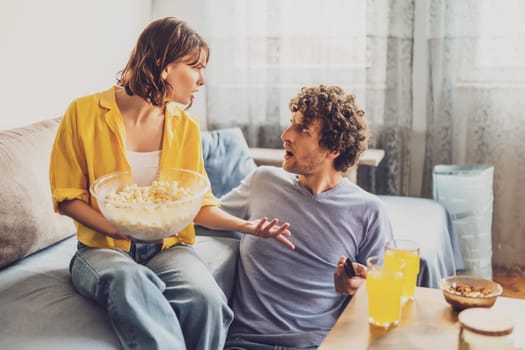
x=348, y=285
x=217, y=219
x=270, y=229
x=88, y=216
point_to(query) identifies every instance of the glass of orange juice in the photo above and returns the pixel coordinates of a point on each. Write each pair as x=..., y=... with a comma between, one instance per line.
x=384, y=287
x=408, y=251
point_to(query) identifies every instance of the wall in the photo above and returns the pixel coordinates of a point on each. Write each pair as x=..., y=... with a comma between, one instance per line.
x=55, y=50
x=192, y=13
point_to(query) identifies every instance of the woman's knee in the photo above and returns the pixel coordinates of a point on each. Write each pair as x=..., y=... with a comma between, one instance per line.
x=213, y=302
x=212, y=295
x=130, y=276
x=99, y=281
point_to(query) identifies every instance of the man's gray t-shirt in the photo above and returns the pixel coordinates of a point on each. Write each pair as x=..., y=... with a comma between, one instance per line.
x=287, y=297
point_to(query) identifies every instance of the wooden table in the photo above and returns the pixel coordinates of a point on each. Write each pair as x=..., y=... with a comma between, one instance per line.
x=427, y=323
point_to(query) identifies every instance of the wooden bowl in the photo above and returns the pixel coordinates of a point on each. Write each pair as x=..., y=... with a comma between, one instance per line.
x=464, y=292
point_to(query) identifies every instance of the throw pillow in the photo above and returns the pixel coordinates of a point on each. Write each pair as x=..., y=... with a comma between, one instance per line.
x=28, y=222
x=226, y=159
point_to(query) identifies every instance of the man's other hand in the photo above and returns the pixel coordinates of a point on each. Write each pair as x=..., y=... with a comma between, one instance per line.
x=343, y=283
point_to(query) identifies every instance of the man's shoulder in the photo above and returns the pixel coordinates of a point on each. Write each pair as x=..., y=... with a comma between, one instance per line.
x=267, y=177
x=264, y=172
x=367, y=201
x=272, y=174
x=366, y=196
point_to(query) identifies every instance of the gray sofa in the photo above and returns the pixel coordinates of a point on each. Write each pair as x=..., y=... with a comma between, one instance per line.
x=39, y=309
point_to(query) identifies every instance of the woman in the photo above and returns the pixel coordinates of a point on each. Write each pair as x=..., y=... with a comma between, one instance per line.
x=158, y=295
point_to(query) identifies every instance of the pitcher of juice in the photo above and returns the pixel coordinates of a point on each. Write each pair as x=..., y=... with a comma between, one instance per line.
x=384, y=287
x=408, y=251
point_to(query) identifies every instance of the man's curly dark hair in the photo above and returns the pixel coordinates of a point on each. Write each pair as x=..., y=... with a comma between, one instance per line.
x=344, y=128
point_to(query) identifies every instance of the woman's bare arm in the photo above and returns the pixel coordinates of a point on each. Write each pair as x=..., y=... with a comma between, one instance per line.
x=87, y=216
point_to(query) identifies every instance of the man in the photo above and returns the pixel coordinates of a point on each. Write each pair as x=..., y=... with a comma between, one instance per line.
x=292, y=298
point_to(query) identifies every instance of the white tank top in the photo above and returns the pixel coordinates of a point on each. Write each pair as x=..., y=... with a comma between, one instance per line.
x=141, y=160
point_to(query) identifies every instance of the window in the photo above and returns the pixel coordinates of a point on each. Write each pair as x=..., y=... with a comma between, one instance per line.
x=264, y=51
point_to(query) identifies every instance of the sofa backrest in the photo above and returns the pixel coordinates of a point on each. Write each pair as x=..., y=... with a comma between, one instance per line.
x=27, y=220
x=28, y=223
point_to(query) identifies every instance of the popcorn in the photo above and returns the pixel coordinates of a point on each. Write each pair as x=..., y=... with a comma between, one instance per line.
x=158, y=192
x=151, y=212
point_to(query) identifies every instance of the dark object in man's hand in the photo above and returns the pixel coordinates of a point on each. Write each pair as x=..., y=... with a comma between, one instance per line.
x=349, y=268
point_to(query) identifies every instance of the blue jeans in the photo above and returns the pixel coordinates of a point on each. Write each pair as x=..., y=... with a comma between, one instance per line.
x=155, y=299
x=241, y=344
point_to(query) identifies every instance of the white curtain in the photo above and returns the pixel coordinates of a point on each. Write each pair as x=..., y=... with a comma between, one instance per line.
x=264, y=51
x=476, y=107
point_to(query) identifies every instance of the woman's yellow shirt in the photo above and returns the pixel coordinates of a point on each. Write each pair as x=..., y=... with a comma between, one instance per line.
x=90, y=143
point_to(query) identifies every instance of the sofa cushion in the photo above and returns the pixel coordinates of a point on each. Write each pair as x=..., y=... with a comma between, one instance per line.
x=226, y=158
x=39, y=308
x=28, y=222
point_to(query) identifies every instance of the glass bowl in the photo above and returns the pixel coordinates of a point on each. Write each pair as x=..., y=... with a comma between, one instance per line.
x=150, y=203
x=464, y=292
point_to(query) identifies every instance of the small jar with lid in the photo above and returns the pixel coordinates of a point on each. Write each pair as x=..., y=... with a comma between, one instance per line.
x=483, y=328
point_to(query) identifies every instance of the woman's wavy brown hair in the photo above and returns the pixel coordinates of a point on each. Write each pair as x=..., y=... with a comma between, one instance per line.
x=162, y=42
x=344, y=128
